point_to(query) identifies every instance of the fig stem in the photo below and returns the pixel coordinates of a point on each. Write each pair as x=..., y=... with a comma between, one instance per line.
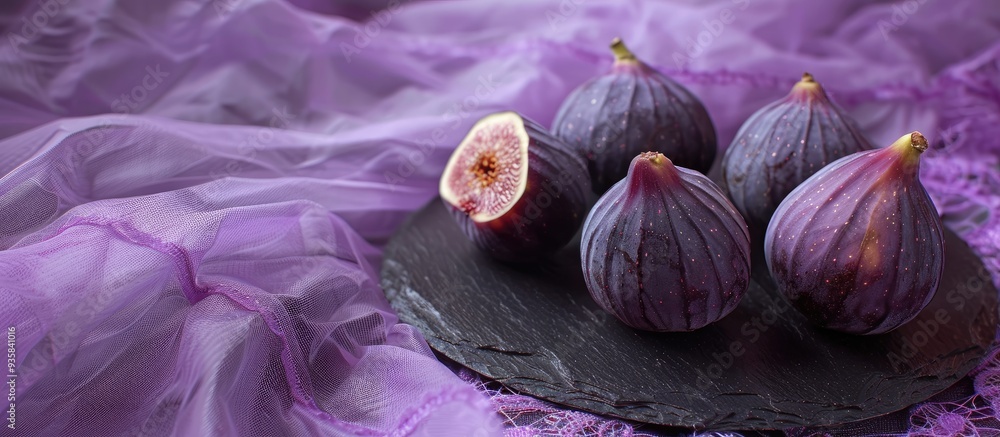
x=653, y=157
x=650, y=171
x=911, y=145
x=808, y=88
x=621, y=52
x=918, y=141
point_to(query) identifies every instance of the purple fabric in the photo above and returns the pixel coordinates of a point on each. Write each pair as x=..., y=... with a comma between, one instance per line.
x=194, y=192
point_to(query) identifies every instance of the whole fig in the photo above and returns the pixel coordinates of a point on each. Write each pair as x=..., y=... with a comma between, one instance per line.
x=858, y=247
x=630, y=110
x=664, y=250
x=515, y=190
x=784, y=143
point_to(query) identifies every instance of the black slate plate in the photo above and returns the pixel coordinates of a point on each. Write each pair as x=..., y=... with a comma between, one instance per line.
x=535, y=329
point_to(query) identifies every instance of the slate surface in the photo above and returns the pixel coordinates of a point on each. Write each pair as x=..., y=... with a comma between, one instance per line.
x=536, y=330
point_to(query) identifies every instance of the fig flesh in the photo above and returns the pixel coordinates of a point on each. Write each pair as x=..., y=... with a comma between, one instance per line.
x=630, y=110
x=515, y=190
x=858, y=246
x=664, y=250
x=784, y=143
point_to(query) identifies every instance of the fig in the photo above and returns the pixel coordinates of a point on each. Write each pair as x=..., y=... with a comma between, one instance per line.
x=857, y=247
x=664, y=249
x=784, y=143
x=630, y=110
x=514, y=189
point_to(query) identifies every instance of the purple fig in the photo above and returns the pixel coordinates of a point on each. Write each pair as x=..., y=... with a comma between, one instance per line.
x=784, y=143
x=516, y=191
x=630, y=110
x=664, y=250
x=857, y=247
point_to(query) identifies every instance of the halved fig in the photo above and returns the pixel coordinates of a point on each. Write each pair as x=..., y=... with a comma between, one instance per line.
x=515, y=190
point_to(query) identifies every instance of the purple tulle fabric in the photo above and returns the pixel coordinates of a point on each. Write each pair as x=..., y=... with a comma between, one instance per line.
x=194, y=193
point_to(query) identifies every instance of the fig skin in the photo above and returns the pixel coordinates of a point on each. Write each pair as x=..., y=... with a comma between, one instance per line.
x=784, y=143
x=633, y=109
x=664, y=249
x=549, y=211
x=858, y=247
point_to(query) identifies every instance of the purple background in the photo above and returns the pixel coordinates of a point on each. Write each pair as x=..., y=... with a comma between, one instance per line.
x=194, y=193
